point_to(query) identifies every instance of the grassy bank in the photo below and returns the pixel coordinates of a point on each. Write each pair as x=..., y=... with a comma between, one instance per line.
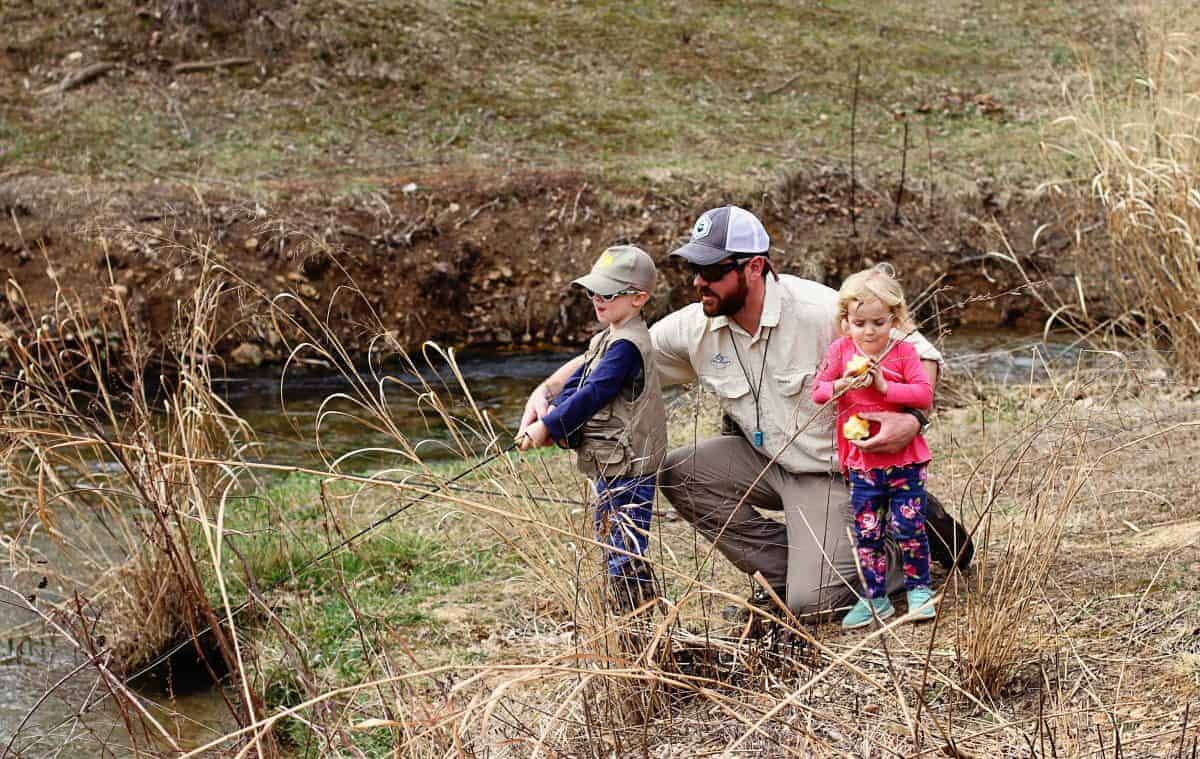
x=708, y=93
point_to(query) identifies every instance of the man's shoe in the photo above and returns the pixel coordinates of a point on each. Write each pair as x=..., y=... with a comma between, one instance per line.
x=921, y=605
x=861, y=616
x=761, y=600
x=948, y=539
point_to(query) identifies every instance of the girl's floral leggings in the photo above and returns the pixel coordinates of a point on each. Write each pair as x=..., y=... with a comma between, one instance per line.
x=899, y=493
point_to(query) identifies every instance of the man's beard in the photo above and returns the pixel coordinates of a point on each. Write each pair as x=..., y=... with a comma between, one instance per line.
x=727, y=306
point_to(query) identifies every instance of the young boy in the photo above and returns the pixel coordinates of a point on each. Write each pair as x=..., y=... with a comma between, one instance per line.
x=611, y=411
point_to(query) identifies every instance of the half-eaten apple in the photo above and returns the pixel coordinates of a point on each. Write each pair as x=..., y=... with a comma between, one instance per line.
x=856, y=428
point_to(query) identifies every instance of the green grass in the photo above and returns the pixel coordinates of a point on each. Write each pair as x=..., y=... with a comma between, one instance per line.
x=613, y=88
x=394, y=575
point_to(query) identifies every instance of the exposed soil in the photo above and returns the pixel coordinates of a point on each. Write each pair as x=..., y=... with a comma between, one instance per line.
x=485, y=260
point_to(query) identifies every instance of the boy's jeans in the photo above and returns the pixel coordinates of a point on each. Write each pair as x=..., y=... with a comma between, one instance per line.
x=624, y=506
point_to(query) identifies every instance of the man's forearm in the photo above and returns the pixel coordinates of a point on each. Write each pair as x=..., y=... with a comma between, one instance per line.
x=554, y=384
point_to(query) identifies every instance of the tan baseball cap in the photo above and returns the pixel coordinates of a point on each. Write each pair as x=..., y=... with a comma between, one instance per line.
x=621, y=267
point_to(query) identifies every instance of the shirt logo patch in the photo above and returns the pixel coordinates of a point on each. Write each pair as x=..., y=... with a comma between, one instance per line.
x=719, y=361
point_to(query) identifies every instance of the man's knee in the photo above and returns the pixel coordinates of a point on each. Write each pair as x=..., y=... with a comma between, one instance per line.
x=671, y=474
x=810, y=600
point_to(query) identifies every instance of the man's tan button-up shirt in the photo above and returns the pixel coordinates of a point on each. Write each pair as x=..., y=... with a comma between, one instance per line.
x=798, y=323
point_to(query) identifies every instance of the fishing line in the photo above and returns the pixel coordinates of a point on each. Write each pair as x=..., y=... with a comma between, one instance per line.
x=447, y=485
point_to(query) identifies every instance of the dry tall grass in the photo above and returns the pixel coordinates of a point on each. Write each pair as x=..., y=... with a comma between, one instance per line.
x=1139, y=141
x=122, y=528
x=677, y=679
x=573, y=677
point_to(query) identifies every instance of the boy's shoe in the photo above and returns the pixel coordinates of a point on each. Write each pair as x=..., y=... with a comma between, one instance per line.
x=632, y=588
x=920, y=604
x=861, y=616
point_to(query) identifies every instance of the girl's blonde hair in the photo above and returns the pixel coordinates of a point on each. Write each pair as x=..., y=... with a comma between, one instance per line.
x=878, y=283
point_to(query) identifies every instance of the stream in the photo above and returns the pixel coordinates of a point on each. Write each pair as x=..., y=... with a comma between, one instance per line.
x=499, y=384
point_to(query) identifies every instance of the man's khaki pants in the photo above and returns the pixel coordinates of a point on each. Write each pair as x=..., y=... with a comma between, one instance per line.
x=810, y=552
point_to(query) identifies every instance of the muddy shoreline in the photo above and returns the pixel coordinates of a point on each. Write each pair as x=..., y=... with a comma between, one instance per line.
x=481, y=260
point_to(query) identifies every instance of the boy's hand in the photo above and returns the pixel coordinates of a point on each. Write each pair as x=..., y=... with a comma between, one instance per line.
x=536, y=407
x=535, y=435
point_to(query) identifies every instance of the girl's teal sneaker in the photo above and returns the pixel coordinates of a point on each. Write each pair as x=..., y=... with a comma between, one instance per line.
x=920, y=604
x=860, y=615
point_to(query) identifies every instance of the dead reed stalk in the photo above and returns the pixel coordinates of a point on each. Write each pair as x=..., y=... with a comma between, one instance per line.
x=1139, y=141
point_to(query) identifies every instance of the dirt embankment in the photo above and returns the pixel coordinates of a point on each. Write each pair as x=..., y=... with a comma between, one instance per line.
x=471, y=259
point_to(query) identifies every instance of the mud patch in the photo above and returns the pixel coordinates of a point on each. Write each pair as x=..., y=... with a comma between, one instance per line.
x=484, y=259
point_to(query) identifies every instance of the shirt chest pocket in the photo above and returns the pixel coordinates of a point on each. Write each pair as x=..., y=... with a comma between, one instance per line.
x=730, y=387
x=792, y=383
x=796, y=389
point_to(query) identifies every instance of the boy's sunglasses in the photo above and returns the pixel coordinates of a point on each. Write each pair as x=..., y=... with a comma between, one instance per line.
x=610, y=298
x=715, y=272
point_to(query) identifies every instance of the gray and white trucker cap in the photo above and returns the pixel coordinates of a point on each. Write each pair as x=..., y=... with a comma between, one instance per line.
x=724, y=232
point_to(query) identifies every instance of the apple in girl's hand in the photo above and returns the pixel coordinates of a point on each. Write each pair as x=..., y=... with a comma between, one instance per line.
x=858, y=366
x=856, y=428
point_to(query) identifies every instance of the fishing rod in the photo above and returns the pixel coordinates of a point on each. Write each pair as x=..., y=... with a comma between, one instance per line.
x=447, y=485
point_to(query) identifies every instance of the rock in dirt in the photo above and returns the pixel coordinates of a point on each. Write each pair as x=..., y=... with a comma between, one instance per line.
x=247, y=354
x=315, y=265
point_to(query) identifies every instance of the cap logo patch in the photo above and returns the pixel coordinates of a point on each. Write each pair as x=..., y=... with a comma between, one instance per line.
x=607, y=260
x=703, y=224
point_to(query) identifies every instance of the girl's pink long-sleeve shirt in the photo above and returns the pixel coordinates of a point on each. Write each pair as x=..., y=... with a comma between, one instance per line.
x=908, y=387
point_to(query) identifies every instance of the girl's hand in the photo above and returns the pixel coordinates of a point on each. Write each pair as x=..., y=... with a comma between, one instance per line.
x=536, y=435
x=849, y=373
x=877, y=380
x=851, y=383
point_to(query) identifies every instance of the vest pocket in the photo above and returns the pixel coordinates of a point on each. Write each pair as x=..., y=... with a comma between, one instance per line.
x=603, y=414
x=609, y=460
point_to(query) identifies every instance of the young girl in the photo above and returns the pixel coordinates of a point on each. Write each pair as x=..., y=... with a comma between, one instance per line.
x=871, y=313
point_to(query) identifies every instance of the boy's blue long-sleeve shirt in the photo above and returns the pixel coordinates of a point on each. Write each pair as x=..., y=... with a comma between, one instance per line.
x=578, y=400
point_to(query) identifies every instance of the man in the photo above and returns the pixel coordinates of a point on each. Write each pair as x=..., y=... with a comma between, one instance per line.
x=755, y=340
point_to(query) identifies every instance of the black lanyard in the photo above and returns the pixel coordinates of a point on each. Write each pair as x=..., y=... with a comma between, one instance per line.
x=756, y=392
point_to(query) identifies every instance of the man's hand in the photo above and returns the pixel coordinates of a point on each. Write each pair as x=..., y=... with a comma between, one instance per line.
x=536, y=407
x=534, y=436
x=896, y=430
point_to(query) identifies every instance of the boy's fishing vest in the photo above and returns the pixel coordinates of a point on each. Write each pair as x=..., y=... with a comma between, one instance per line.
x=626, y=438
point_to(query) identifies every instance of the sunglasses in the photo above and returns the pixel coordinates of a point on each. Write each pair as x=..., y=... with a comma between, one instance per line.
x=610, y=298
x=715, y=272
